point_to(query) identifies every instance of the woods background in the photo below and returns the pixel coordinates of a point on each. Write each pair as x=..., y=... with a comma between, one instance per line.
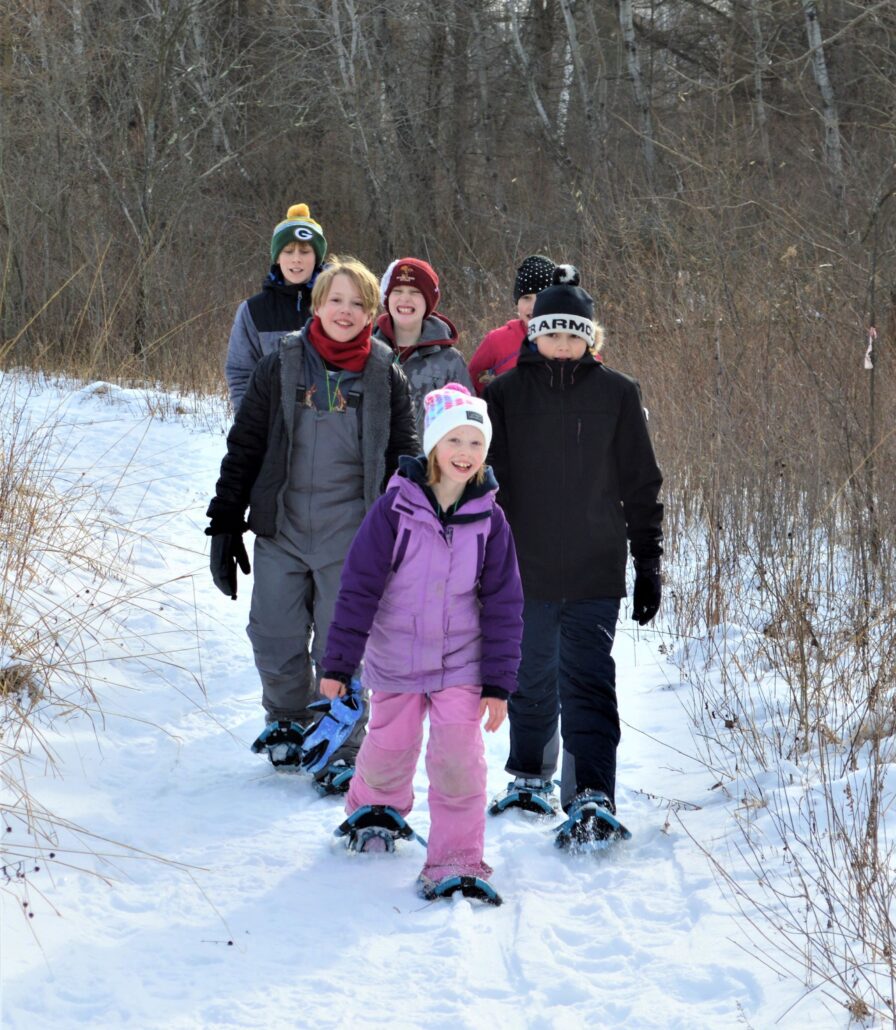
x=722, y=173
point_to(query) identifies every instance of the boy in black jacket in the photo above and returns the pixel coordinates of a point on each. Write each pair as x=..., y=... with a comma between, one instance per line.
x=578, y=482
x=298, y=249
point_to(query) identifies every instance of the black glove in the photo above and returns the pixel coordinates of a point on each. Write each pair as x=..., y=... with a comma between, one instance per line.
x=648, y=591
x=227, y=552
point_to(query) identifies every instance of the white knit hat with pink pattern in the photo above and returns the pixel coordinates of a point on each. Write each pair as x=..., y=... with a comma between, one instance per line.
x=449, y=407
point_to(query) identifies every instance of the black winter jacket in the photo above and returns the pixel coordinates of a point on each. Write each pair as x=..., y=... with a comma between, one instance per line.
x=260, y=323
x=255, y=469
x=577, y=475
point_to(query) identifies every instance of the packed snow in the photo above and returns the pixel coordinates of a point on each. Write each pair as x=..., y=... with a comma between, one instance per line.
x=193, y=886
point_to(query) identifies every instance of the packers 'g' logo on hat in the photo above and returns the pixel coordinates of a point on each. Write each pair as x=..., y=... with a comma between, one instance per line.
x=299, y=225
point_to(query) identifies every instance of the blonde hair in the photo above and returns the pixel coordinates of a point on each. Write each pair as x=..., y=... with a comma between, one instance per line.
x=434, y=473
x=365, y=281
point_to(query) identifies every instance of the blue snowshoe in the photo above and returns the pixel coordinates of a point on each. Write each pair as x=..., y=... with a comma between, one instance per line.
x=531, y=793
x=334, y=778
x=333, y=729
x=591, y=826
x=283, y=741
x=469, y=886
x=375, y=828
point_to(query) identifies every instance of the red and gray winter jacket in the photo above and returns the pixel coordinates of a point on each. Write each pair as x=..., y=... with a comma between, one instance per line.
x=429, y=364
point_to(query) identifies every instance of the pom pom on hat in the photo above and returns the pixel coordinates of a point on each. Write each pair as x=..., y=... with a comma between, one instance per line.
x=299, y=227
x=449, y=407
x=534, y=275
x=564, y=307
x=412, y=272
x=566, y=275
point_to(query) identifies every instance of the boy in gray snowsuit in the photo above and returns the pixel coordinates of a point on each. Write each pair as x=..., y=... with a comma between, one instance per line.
x=317, y=435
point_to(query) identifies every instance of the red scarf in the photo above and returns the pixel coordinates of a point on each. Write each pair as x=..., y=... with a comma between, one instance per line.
x=351, y=355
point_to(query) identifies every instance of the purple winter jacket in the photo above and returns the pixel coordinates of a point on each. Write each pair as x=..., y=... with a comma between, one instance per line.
x=429, y=603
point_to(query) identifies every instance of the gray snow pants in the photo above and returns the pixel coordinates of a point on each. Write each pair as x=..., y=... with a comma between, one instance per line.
x=291, y=611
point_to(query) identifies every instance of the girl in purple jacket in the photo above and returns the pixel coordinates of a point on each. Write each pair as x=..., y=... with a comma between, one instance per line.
x=430, y=595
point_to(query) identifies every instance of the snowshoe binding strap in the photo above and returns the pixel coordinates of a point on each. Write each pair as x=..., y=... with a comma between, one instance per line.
x=532, y=795
x=334, y=779
x=333, y=729
x=371, y=822
x=283, y=741
x=591, y=825
x=469, y=886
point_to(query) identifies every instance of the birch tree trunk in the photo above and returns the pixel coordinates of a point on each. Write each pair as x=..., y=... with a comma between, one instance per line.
x=642, y=100
x=833, y=148
x=760, y=63
x=551, y=131
x=575, y=52
x=364, y=149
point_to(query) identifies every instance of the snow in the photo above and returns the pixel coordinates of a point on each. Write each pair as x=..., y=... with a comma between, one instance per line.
x=208, y=889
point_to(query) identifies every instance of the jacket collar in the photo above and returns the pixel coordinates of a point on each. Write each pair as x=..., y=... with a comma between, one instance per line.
x=560, y=374
x=274, y=282
x=437, y=332
x=475, y=502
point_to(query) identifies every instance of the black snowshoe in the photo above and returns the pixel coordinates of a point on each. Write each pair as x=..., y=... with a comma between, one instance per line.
x=469, y=886
x=531, y=793
x=376, y=828
x=334, y=778
x=591, y=826
x=282, y=741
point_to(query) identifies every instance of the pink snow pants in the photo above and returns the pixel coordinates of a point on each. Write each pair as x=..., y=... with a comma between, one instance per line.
x=455, y=763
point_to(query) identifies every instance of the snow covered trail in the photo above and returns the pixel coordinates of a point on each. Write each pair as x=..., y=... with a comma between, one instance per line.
x=251, y=913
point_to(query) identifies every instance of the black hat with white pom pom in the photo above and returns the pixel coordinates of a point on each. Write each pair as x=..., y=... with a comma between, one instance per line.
x=564, y=307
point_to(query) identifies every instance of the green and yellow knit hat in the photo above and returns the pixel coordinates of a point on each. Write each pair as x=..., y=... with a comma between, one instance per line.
x=299, y=226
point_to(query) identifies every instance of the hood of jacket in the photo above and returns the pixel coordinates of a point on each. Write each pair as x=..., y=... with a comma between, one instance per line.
x=475, y=502
x=437, y=331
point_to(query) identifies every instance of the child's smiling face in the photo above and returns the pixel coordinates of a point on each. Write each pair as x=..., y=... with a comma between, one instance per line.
x=342, y=313
x=460, y=454
x=407, y=306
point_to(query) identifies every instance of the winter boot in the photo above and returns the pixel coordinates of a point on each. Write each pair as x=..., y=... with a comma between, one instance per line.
x=531, y=793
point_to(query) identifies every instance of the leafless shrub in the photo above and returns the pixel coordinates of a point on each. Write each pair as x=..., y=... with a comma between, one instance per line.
x=792, y=695
x=65, y=584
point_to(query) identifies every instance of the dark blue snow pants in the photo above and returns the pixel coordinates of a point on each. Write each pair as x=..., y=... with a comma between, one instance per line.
x=568, y=674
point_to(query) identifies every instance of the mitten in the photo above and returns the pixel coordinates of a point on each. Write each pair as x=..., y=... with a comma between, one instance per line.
x=227, y=552
x=648, y=591
x=334, y=728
